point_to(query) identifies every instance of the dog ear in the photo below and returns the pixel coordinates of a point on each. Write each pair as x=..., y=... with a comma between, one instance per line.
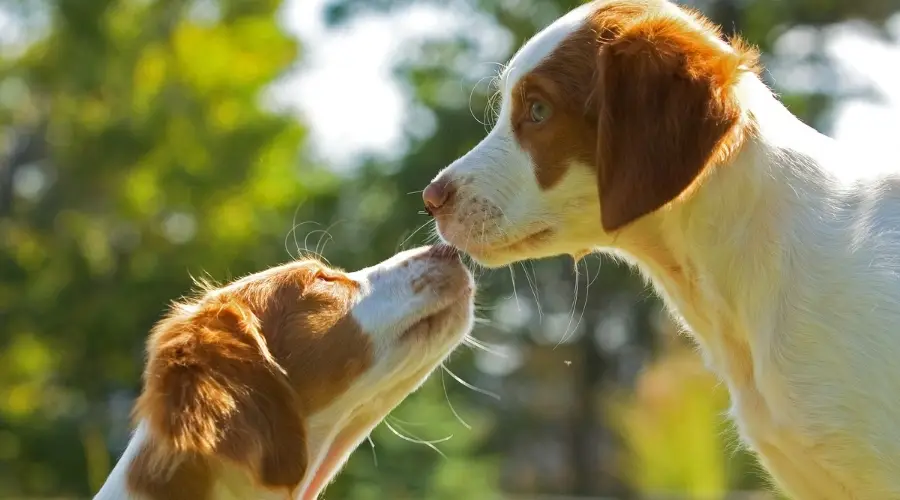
x=212, y=387
x=666, y=107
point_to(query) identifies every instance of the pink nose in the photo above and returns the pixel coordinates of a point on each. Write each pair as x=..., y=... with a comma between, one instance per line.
x=437, y=194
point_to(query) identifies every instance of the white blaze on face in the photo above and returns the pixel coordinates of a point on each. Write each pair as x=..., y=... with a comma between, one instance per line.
x=545, y=42
x=499, y=203
x=404, y=289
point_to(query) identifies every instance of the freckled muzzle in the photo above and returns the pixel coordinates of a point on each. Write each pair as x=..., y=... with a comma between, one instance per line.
x=444, y=277
x=411, y=286
x=448, y=286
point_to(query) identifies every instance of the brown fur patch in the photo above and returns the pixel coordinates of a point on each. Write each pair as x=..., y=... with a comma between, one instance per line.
x=187, y=479
x=233, y=376
x=567, y=80
x=643, y=96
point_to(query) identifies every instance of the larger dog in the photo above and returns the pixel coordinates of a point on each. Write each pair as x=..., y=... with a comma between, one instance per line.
x=632, y=127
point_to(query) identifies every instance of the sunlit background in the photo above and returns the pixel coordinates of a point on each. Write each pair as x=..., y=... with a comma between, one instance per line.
x=145, y=141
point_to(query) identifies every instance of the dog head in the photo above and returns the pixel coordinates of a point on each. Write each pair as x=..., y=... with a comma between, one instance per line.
x=267, y=385
x=613, y=112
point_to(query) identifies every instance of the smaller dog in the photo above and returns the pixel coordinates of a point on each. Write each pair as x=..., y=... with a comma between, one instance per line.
x=262, y=389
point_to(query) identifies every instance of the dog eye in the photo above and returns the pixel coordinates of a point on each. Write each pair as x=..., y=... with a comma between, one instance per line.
x=539, y=111
x=327, y=277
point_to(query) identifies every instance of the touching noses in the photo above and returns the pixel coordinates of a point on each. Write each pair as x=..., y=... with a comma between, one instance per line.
x=438, y=194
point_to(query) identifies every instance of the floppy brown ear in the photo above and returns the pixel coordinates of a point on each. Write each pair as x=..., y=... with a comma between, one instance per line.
x=212, y=388
x=666, y=106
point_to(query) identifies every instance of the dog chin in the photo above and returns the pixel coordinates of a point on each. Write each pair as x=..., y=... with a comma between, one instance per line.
x=535, y=245
x=496, y=258
x=493, y=260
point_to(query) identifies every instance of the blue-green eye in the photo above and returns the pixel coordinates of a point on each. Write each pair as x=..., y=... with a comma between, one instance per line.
x=539, y=111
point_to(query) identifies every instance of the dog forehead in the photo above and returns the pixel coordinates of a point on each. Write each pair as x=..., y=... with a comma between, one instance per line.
x=303, y=312
x=545, y=43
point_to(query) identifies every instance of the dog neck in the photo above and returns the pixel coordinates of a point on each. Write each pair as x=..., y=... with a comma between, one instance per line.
x=721, y=258
x=136, y=476
x=333, y=436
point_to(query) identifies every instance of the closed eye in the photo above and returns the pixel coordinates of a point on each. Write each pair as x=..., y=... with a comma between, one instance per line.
x=328, y=277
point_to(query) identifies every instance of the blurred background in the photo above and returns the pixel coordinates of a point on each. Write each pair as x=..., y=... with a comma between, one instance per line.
x=145, y=141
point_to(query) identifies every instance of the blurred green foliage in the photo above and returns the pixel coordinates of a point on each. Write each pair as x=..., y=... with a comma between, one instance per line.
x=150, y=158
x=136, y=152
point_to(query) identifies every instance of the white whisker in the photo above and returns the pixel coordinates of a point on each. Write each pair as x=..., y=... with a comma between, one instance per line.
x=478, y=344
x=532, y=283
x=413, y=439
x=452, y=409
x=406, y=240
x=566, y=333
x=470, y=386
x=374, y=455
x=512, y=277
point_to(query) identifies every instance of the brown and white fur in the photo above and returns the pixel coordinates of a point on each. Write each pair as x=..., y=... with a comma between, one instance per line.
x=633, y=128
x=262, y=389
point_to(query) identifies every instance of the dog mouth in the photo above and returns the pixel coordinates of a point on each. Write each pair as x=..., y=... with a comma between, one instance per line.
x=450, y=288
x=439, y=318
x=521, y=244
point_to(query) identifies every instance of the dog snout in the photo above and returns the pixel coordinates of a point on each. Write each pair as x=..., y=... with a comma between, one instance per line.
x=443, y=271
x=441, y=257
x=439, y=194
